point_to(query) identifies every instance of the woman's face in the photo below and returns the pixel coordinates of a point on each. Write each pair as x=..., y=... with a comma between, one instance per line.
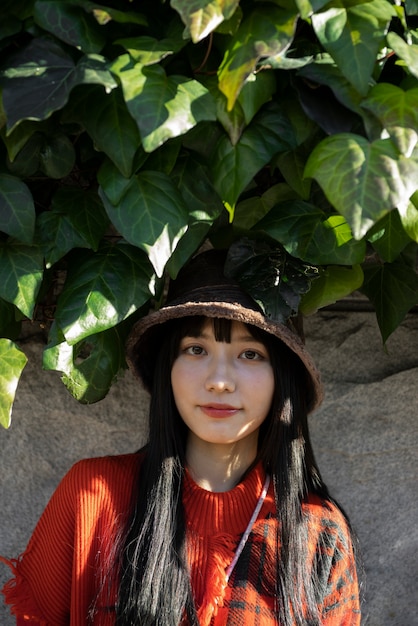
x=223, y=390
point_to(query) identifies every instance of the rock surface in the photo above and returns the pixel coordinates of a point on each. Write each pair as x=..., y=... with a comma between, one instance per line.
x=365, y=436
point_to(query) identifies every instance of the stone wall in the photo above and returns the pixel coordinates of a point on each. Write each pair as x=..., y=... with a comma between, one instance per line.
x=365, y=436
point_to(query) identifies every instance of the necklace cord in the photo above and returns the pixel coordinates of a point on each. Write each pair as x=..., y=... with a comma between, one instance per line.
x=247, y=532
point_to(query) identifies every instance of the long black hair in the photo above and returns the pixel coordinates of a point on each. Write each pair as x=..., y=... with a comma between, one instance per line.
x=155, y=587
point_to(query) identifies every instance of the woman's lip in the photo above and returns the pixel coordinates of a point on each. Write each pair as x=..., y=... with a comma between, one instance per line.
x=218, y=410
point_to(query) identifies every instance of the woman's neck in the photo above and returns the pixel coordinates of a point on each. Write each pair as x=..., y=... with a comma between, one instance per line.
x=218, y=467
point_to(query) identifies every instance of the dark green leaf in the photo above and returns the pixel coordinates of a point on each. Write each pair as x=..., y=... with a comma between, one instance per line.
x=9, y=26
x=151, y=215
x=397, y=110
x=17, y=211
x=274, y=279
x=10, y=325
x=267, y=32
x=89, y=367
x=102, y=290
x=77, y=220
x=193, y=181
x=57, y=156
x=409, y=218
x=12, y=362
x=148, y=50
x=333, y=284
x=252, y=210
x=235, y=166
x=407, y=52
x=70, y=23
x=388, y=237
x=258, y=90
x=109, y=124
x=292, y=166
x=307, y=233
x=164, y=158
x=202, y=17
x=393, y=290
x=16, y=140
x=21, y=271
x=104, y=14
x=411, y=7
x=307, y=7
x=362, y=180
x=39, y=78
x=353, y=33
x=162, y=106
x=112, y=182
x=324, y=71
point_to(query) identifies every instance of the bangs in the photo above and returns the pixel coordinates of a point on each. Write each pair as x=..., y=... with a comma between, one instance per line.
x=222, y=329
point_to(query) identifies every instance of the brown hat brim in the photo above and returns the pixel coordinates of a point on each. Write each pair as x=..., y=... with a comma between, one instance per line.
x=140, y=336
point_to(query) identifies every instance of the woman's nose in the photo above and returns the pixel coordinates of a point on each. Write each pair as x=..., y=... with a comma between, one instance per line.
x=220, y=376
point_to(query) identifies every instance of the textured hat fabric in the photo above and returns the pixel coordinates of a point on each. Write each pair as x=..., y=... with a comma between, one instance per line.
x=202, y=289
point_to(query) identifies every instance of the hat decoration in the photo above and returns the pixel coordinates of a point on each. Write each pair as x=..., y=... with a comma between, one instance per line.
x=271, y=276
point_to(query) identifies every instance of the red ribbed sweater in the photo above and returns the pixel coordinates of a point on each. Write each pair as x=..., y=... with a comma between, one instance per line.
x=56, y=579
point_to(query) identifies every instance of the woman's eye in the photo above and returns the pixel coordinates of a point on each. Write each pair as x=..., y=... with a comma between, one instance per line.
x=251, y=355
x=194, y=350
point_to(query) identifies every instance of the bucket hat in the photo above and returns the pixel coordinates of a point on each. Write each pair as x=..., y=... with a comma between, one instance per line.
x=202, y=289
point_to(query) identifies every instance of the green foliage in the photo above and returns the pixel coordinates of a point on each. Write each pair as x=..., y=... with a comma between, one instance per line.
x=133, y=132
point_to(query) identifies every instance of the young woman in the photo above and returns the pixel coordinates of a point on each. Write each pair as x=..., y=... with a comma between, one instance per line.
x=223, y=518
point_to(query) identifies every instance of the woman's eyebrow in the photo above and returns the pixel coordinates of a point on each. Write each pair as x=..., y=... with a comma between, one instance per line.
x=248, y=338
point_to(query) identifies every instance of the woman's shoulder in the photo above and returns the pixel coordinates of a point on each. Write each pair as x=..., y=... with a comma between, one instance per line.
x=325, y=515
x=99, y=474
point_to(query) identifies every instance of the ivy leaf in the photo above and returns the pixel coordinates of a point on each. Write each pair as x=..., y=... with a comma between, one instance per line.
x=362, y=180
x=324, y=71
x=151, y=214
x=267, y=32
x=397, y=110
x=258, y=90
x=70, y=23
x=409, y=218
x=307, y=7
x=307, y=233
x=21, y=272
x=104, y=14
x=393, y=290
x=76, y=220
x=109, y=124
x=52, y=154
x=235, y=166
x=10, y=322
x=251, y=210
x=40, y=77
x=388, y=237
x=353, y=34
x=407, y=52
x=333, y=284
x=274, y=279
x=162, y=106
x=89, y=367
x=103, y=289
x=12, y=362
x=17, y=210
x=205, y=206
x=56, y=156
x=202, y=17
x=16, y=140
x=113, y=184
x=148, y=50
